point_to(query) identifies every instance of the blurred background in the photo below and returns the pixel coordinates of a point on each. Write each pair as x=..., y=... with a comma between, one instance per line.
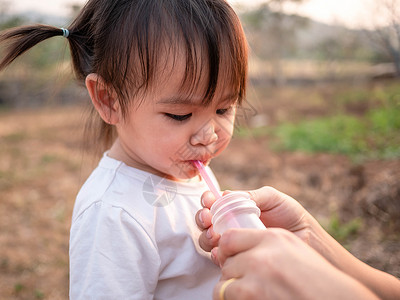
x=322, y=124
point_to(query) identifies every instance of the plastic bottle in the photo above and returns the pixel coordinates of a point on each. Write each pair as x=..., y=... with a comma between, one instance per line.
x=235, y=210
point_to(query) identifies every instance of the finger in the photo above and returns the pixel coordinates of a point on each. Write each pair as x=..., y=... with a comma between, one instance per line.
x=225, y=289
x=236, y=240
x=267, y=197
x=235, y=266
x=208, y=239
x=277, y=208
x=258, y=249
x=207, y=199
x=226, y=192
x=203, y=218
x=214, y=256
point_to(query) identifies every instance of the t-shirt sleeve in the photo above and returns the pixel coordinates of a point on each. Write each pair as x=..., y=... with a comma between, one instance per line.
x=111, y=256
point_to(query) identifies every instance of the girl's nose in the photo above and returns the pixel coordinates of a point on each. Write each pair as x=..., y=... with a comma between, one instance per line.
x=205, y=135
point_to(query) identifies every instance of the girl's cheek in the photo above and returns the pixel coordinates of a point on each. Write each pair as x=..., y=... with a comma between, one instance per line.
x=228, y=128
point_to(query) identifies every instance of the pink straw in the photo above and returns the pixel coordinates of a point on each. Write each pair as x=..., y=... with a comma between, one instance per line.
x=203, y=172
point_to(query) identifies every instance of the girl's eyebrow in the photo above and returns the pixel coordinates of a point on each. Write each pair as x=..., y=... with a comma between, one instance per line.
x=177, y=100
x=191, y=101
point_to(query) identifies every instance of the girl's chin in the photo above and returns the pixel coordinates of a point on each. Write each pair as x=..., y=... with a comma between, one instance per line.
x=186, y=178
x=183, y=172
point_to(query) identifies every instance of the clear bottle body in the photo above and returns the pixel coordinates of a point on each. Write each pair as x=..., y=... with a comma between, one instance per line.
x=235, y=210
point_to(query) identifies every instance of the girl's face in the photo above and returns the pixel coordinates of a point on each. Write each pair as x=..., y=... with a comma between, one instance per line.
x=168, y=130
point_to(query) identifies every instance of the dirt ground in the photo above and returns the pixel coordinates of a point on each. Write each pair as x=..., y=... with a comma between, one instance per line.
x=42, y=168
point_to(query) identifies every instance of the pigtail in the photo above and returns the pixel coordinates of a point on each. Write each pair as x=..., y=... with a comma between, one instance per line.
x=17, y=41
x=21, y=39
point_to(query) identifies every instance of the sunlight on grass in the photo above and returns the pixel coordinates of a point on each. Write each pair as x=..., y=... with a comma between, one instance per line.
x=338, y=134
x=374, y=134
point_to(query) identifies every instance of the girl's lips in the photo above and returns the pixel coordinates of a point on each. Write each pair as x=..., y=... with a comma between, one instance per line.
x=204, y=162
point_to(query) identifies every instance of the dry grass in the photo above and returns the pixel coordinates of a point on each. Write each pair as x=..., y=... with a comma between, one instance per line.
x=41, y=171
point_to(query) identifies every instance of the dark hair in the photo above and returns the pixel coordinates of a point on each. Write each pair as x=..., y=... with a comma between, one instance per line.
x=121, y=40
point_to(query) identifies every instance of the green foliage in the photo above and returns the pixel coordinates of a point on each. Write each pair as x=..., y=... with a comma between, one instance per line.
x=385, y=134
x=15, y=137
x=254, y=18
x=48, y=159
x=346, y=44
x=374, y=134
x=46, y=54
x=42, y=55
x=337, y=134
x=39, y=294
x=343, y=231
x=268, y=22
x=385, y=120
x=353, y=96
x=12, y=22
x=18, y=287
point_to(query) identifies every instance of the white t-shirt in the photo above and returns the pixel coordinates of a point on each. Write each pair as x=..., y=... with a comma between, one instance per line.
x=133, y=236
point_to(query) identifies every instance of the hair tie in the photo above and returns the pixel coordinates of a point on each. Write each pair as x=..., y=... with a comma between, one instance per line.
x=65, y=32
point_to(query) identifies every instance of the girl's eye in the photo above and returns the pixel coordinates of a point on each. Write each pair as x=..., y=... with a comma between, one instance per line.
x=222, y=111
x=179, y=118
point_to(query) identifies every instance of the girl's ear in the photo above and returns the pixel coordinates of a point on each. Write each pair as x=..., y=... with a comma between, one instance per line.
x=103, y=99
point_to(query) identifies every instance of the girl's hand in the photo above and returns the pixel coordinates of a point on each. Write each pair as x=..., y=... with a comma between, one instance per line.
x=277, y=210
x=275, y=264
x=208, y=239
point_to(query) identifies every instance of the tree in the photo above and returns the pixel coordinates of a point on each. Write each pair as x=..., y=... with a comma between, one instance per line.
x=387, y=35
x=74, y=8
x=272, y=33
x=6, y=20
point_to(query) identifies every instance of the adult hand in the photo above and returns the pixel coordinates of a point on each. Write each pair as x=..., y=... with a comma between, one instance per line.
x=277, y=210
x=275, y=264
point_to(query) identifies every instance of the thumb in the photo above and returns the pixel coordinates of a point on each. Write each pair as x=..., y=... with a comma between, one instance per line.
x=267, y=198
x=277, y=208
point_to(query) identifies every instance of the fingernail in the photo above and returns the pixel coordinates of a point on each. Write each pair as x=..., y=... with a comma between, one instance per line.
x=202, y=202
x=209, y=233
x=201, y=218
x=213, y=255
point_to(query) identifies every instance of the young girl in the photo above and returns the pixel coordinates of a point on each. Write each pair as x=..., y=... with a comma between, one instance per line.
x=166, y=76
